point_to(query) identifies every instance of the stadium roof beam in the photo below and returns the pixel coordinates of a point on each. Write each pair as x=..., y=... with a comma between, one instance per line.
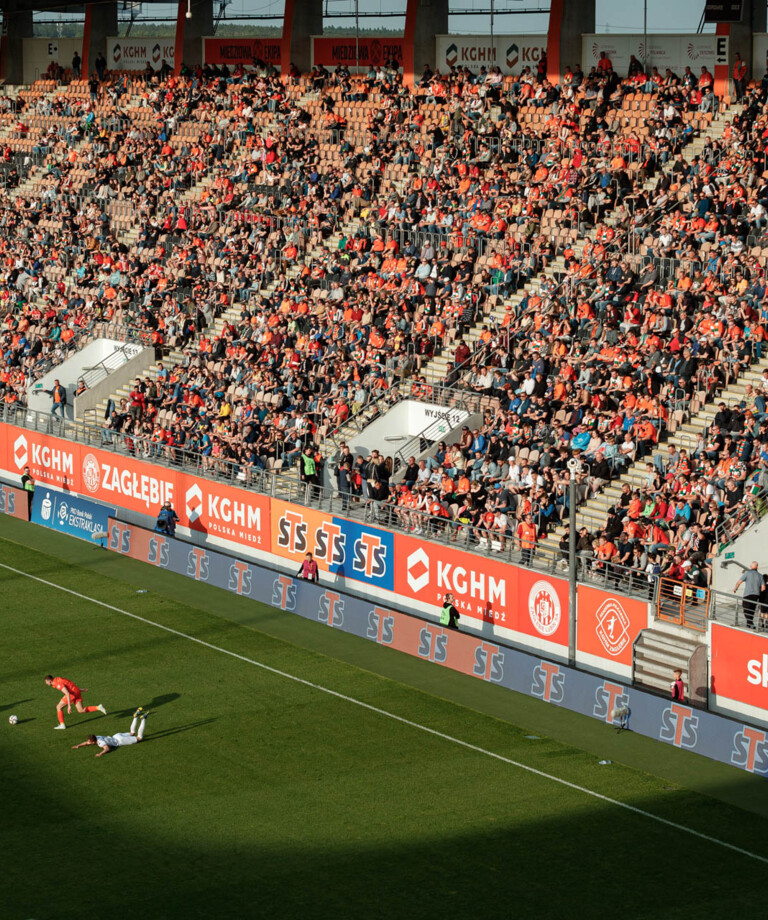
x=424, y=19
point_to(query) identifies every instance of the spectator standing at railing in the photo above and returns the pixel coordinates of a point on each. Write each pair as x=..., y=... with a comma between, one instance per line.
x=753, y=585
x=59, y=396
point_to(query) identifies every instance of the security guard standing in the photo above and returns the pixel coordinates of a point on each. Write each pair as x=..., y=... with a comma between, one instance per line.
x=449, y=615
x=28, y=484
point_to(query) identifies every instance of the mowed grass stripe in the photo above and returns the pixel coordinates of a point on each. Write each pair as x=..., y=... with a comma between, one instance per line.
x=451, y=739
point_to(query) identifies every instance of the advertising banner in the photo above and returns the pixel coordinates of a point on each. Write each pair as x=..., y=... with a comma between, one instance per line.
x=510, y=53
x=213, y=508
x=14, y=502
x=739, y=668
x=518, y=602
x=136, y=53
x=348, y=549
x=682, y=726
x=69, y=514
x=245, y=51
x=330, y=52
x=608, y=625
x=673, y=51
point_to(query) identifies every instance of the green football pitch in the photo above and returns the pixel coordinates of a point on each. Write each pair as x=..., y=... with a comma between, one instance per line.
x=401, y=793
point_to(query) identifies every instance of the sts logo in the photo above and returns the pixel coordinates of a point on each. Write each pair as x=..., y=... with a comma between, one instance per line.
x=370, y=557
x=330, y=544
x=159, y=551
x=197, y=564
x=750, y=750
x=284, y=593
x=381, y=626
x=607, y=697
x=489, y=662
x=433, y=644
x=292, y=532
x=548, y=682
x=119, y=537
x=240, y=578
x=679, y=726
x=7, y=501
x=331, y=609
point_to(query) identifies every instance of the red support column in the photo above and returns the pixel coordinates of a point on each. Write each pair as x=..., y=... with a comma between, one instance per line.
x=285, y=41
x=722, y=71
x=178, y=47
x=85, y=54
x=409, y=44
x=553, y=40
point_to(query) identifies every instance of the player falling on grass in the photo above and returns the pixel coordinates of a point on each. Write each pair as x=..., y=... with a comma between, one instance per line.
x=109, y=743
x=72, y=696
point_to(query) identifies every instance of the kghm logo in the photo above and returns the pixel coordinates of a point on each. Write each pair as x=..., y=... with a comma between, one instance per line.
x=330, y=608
x=417, y=570
x=117, y=53
x=489, y=662
x=544, y=608
x=381, y=626
x=451, y=54
x=156, y=54
x=612, y=626
x=609, y=697
x=679, y=726
x=193, y=502
x=548, y=682
x=750, y=750
x=513, y=56
x=20, y=452
x=91, y=473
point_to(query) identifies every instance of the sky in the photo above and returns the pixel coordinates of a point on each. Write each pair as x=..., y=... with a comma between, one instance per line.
x=613, y=16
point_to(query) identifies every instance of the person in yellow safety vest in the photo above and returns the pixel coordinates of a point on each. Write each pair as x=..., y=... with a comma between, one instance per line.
x=449, y=615
x=526, y=537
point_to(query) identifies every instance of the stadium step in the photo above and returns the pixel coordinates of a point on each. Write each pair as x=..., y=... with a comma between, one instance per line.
x=594, y=511
x=659, y=651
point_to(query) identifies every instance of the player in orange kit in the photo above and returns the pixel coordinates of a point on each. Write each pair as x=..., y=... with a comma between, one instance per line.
x=72, y=696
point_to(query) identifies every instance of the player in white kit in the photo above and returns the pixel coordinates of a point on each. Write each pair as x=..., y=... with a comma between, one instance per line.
x=109, y=743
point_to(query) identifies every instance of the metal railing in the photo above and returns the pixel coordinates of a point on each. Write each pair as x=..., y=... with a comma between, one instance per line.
x=448, y=530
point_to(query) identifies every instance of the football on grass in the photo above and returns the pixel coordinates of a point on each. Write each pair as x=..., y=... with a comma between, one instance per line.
x=13, y=719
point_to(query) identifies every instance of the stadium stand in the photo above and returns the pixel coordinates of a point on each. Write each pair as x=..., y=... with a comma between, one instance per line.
x=583, y=264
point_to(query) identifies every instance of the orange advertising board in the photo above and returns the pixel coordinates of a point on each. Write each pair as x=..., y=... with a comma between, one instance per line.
x=739, y=667
x=608, y=624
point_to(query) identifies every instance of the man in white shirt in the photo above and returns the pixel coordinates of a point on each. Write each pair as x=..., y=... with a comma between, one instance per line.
x=107, y=743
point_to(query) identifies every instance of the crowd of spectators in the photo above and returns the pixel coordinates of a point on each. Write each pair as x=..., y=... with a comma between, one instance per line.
x=350, y=229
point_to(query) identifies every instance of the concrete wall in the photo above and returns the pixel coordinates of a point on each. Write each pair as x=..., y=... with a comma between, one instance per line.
x=135, y=367
x=39, y=52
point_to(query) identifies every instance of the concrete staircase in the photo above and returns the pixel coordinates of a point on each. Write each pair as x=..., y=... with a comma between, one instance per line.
x=593, y=513
x=659, y=651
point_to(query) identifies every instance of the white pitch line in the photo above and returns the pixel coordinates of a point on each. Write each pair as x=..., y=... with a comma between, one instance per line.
x=391, y=715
